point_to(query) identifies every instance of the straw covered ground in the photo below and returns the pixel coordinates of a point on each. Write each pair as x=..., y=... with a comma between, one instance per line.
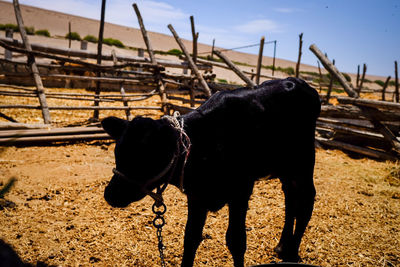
x=61, y=218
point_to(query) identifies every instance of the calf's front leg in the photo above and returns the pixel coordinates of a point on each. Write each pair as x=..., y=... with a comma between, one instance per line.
x=236, y=233
x=193, y=231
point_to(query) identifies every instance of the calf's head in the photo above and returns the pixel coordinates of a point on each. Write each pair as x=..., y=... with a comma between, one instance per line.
x=144, y=147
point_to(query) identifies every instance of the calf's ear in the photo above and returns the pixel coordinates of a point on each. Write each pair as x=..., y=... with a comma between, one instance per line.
x=114, y=126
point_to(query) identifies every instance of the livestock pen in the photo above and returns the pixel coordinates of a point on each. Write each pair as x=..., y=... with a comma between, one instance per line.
x=59, y=216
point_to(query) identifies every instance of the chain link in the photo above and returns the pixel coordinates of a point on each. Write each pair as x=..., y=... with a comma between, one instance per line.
x=159, y=222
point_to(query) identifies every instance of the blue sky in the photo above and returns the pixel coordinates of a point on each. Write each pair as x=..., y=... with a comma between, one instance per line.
x=350, y=31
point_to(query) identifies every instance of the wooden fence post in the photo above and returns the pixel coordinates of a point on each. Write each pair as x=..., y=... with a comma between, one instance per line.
x=160, y=84
x=320, y=76
x=69, y=34
x=259, y=61
x=362, y=78
x=273, y=61
x=8, y=53
x=358, y=76
x=233, y=67
x=333, y=71
x=328, y=94
x=99, y=57
x=190, y=61
x=384, y=88
x=396, y=80
x=212, y=49
x=32, y=63
x=195, y=37
x=299, y=58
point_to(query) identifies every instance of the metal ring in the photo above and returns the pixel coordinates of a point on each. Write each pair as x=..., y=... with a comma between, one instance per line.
x=162, y=209
x=158, y=222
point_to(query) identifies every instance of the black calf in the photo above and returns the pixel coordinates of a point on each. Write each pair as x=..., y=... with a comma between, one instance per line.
x=237, y=137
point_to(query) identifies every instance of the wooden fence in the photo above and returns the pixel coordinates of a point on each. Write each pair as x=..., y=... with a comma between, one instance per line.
x=366, y=127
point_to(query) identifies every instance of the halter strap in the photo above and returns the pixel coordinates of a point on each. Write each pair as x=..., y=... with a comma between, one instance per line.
x=184, y=142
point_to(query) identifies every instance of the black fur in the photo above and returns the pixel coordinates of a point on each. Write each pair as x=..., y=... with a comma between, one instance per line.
x=237, y=137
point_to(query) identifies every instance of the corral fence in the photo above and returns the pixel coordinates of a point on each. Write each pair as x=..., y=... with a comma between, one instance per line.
x=367, y=127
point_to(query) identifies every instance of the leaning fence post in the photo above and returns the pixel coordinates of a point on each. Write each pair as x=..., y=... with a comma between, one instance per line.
x=32, y=64
x=190, y=61
x=333, y=71
x=233, y=67
x=328, y=94
x=160, y=84
x=320, y=76
x=358, y=76
x=8, y=53
x=384, y=88
x=259, y=61
x=195, y=37
x=362, y=78
x=299, y=58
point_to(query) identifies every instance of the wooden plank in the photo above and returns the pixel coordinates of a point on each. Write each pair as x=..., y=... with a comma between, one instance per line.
x=192, y=65
x=50, y=131
x=103, y=79
x=350, y=131
x=16, y=125
x=57, y=138
x=372, y=114
x=79, y=108
x=235, y=69
x=46, y=50
x=32, y=64
x=333, y=71
x=360, y=150
x=354, y=112
x=85, y=64
x=369, y=103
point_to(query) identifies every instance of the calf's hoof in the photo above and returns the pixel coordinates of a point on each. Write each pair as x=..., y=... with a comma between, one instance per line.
x=286, y=254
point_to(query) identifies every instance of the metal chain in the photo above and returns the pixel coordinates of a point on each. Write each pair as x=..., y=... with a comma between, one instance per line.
x=159, y=222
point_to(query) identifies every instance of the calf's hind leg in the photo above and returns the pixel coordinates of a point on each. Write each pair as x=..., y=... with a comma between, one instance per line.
x=299, y=204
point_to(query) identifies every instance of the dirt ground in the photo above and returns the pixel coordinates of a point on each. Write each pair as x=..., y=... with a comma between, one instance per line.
x=61, y=217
